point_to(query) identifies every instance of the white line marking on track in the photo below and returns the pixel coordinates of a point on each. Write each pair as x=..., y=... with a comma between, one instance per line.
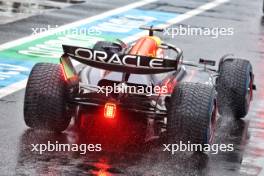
x=183, y=17
x=75, y=24
x=12, y=88
x=20, y=85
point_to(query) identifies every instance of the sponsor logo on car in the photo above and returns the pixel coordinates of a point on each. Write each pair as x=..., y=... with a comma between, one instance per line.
x=117, y=59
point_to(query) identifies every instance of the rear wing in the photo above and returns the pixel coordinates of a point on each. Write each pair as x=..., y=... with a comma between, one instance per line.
x=120, y=62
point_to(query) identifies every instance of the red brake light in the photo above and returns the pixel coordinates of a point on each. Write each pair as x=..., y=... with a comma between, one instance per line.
x=109, y=110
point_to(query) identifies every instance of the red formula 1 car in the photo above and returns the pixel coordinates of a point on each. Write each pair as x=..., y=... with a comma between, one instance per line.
x=141, y=78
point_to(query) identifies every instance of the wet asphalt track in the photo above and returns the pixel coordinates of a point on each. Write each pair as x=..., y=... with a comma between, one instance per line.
x=148, y=159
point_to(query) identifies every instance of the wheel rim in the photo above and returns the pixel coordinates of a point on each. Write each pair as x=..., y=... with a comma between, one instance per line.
x=249, y=94
x=212, y=125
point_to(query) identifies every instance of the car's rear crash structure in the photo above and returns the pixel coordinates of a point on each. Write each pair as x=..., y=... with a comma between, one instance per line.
x=188, y=109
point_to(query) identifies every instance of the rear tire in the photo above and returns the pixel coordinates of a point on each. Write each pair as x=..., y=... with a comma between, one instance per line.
x=234, y=86
x=192, y=114
x=46, y=98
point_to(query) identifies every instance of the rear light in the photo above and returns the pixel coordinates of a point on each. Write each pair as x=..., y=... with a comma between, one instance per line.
x=63, y=72
x=110, y=110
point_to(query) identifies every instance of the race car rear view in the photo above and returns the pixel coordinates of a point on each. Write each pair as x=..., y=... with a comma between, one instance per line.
x=143, y=78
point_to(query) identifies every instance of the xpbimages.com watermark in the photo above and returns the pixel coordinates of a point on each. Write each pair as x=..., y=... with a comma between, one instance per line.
x=83, y=31
x=130, y=89
x=211, y=148
x=187, y=30
x=57, y=147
